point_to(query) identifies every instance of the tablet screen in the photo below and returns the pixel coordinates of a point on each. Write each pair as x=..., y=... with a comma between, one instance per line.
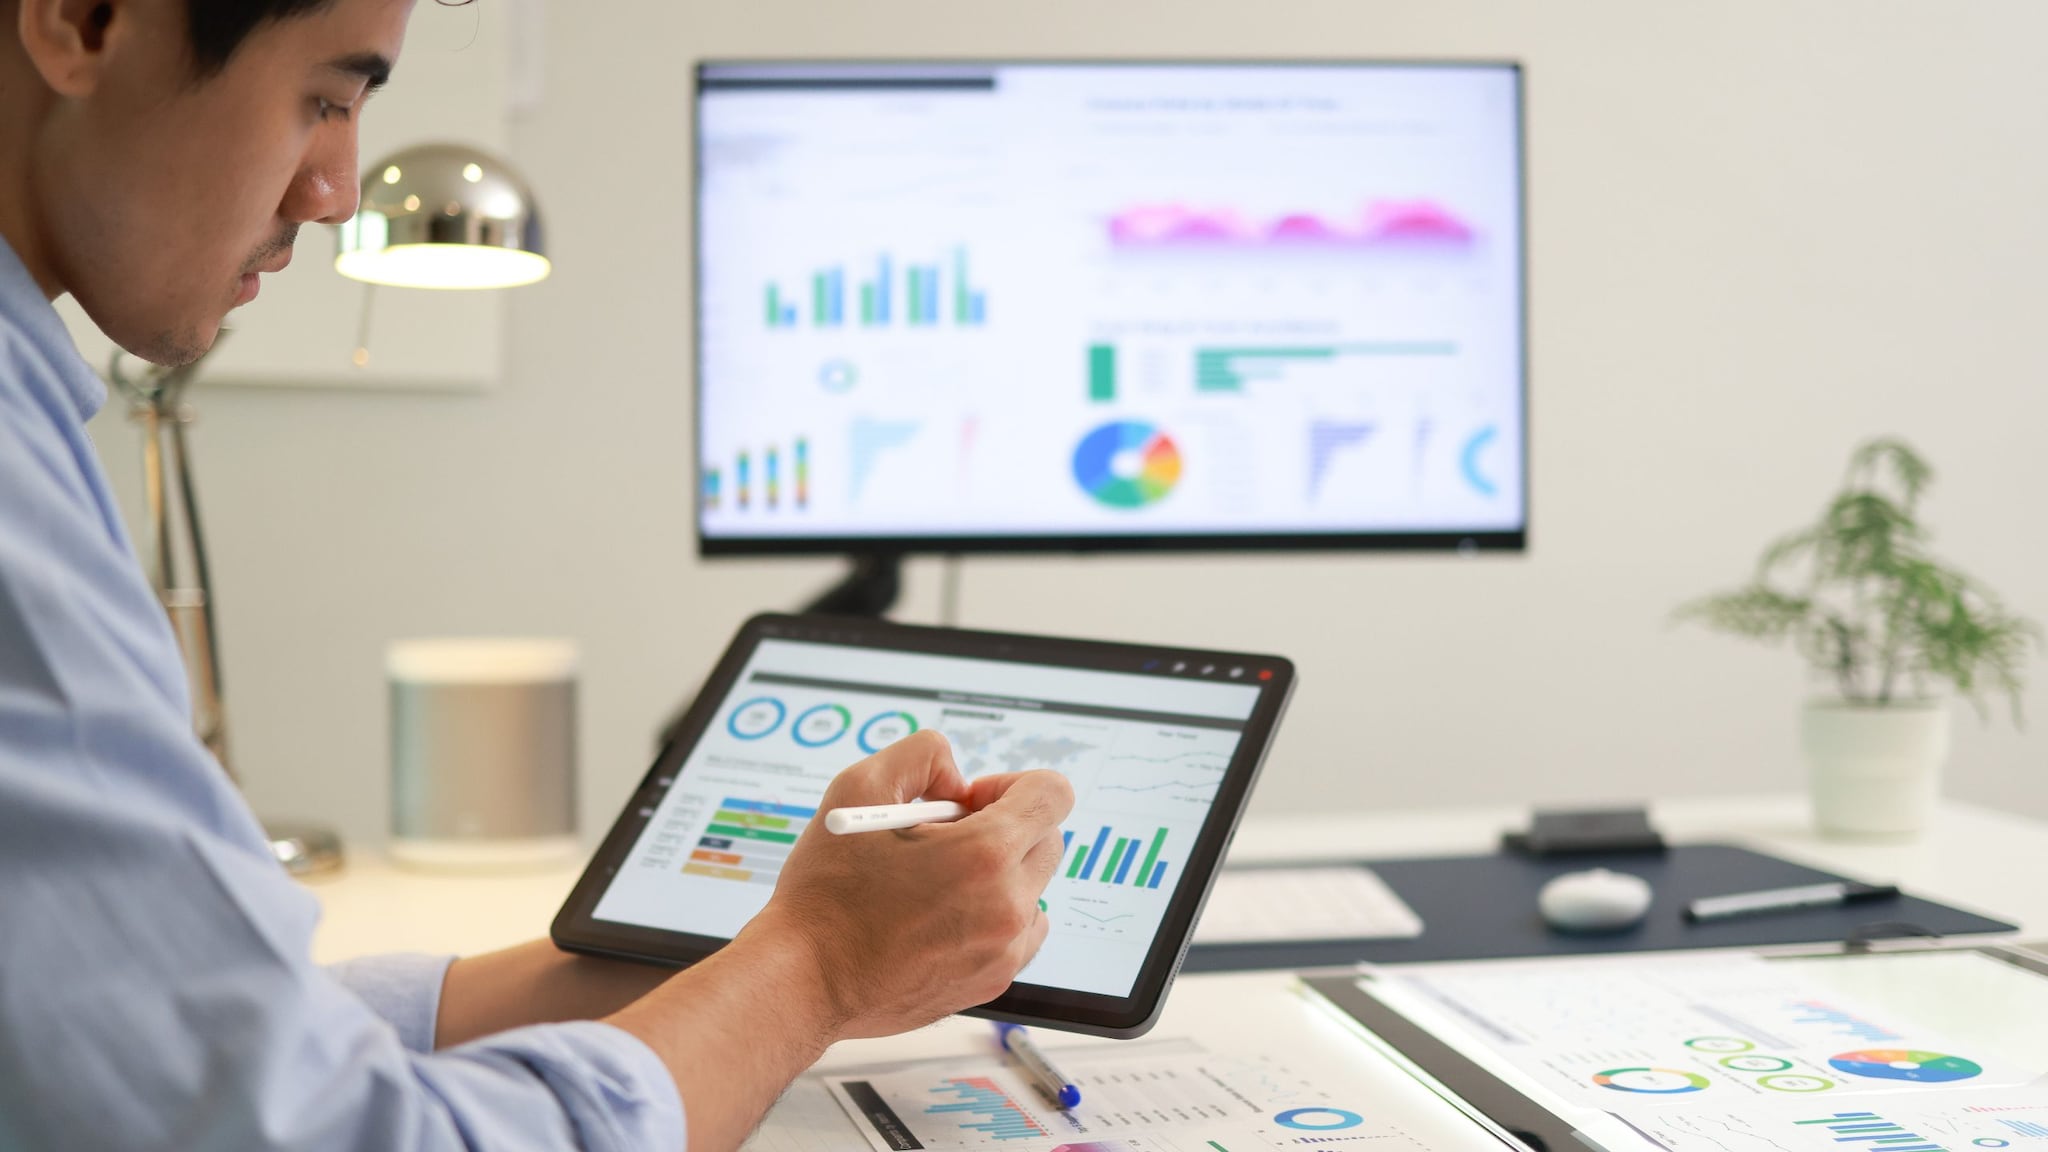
x=1146, y=754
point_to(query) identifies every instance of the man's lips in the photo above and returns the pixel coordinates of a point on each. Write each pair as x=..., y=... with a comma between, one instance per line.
x=251, y=282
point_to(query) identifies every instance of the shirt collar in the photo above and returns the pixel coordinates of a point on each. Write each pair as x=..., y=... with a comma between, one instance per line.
x=23, y=304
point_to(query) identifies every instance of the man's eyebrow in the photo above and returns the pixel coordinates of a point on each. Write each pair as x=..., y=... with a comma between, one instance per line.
x=373, y=67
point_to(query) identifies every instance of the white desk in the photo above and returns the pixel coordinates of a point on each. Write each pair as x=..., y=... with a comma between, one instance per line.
x=1972, y=857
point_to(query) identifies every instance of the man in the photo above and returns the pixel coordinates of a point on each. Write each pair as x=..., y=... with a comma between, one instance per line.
x=156, y=157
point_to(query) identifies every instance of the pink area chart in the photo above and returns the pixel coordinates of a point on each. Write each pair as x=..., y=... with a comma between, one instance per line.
x=1381, y=223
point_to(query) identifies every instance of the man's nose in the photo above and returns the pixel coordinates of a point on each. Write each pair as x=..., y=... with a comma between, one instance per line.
x=326, y=188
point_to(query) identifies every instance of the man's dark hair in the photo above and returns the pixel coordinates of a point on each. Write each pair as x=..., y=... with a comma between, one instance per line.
x=215, y=28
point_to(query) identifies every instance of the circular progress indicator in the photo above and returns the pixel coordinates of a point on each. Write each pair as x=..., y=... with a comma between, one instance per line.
x=1906, y=1064
x=1658, y=1081
x=1718, y=1044
x=1795, y=1082
x=1318, y=1119
x=884, y=730
x=821, y=725
x=756, y=718
x=1127, y=464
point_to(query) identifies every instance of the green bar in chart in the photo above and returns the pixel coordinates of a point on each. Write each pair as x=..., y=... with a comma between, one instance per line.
x=1152, y=856
x=963, y=310
x=821, y=305
x=913, y=283
x=1102, y=373
x=752, y=819
x=774, y=307
x=738, y=832
x=1109, y=869
x=867, y=305
x=1080, y=858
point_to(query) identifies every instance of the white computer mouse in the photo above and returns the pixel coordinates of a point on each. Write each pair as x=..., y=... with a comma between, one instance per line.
x=1594, y=901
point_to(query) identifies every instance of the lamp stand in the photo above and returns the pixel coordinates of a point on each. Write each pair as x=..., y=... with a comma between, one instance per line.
x=179, y=573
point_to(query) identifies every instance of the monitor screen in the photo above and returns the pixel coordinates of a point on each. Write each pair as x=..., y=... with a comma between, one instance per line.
x=1110, y=305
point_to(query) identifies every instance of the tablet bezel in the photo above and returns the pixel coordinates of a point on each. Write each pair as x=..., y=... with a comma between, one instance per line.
x=576, y=929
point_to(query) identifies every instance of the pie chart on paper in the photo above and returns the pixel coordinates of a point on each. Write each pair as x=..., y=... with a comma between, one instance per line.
x=1127, y=464
x=1906, y=1064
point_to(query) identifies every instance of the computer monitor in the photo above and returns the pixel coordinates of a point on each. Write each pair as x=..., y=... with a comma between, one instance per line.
x=1005, y=306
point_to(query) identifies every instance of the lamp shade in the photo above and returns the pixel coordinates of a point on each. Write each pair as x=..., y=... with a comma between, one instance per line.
x=443, y=216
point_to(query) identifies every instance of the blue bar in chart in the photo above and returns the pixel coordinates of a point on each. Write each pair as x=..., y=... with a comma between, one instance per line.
x=1124, y=869
x=2027, y=1128
x=1088, y=865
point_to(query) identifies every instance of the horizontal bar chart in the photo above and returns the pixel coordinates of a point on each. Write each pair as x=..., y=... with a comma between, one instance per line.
x=1228, y=369
x=747, y=840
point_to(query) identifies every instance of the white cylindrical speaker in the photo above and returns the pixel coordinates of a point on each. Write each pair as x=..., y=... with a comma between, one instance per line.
x=483, y=753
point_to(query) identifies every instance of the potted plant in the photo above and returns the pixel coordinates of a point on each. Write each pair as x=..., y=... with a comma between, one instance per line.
x=1891, y=627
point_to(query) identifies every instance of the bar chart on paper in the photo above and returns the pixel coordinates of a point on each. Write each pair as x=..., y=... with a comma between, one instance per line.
x=979, y=1104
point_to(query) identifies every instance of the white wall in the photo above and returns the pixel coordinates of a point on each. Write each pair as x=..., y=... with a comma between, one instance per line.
x=1760, y=232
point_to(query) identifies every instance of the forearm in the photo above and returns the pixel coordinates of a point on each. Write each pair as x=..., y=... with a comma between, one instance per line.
x=534, y=983
x=706, y=1025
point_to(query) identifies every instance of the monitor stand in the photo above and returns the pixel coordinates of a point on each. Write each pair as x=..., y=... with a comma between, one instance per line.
x=869, y=589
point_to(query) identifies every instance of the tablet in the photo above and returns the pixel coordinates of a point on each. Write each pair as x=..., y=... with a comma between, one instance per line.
x=1162, y=746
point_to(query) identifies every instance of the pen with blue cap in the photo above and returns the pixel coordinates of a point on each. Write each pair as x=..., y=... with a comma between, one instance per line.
x=1057, y=1088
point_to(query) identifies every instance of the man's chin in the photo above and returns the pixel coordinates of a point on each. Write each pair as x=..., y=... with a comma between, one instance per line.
x=174, y=348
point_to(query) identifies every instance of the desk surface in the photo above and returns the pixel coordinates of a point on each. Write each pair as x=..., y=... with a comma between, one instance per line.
x=1972, y=857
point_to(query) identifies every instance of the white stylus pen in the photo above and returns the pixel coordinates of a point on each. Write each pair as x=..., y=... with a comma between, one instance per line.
x=882, y=817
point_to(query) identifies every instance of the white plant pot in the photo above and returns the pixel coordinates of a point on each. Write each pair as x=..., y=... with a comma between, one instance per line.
x=1875, y=770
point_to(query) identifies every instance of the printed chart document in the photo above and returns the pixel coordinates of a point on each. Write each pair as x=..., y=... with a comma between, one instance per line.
x=1145, y=1097
x=1927, y=1052
x=1249, y=1063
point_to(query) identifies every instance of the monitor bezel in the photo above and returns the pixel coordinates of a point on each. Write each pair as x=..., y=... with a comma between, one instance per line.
x=1515, y=540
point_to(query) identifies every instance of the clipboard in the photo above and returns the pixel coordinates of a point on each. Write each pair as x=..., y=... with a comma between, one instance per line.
x=1878, y=1079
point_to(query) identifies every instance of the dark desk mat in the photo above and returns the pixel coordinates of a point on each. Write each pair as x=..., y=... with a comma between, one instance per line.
x=1484, y=907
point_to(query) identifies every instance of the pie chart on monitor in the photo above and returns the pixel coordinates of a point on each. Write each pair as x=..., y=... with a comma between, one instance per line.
x=1127, y=464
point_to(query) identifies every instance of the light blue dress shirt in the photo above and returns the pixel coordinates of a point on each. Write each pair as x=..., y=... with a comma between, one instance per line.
x=156, y=986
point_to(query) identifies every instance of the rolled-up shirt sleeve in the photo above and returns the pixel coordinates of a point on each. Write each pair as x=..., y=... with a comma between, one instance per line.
x=404, y=988
x=157, y=989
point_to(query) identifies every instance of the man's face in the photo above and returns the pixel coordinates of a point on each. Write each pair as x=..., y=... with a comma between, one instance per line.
x=164, y=195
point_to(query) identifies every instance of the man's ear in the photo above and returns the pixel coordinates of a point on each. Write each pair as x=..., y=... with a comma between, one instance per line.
x=67, y=41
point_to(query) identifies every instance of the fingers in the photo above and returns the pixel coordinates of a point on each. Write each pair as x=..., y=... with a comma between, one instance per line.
x=1042, y=860
x=1024, y=807
x=919, y=765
